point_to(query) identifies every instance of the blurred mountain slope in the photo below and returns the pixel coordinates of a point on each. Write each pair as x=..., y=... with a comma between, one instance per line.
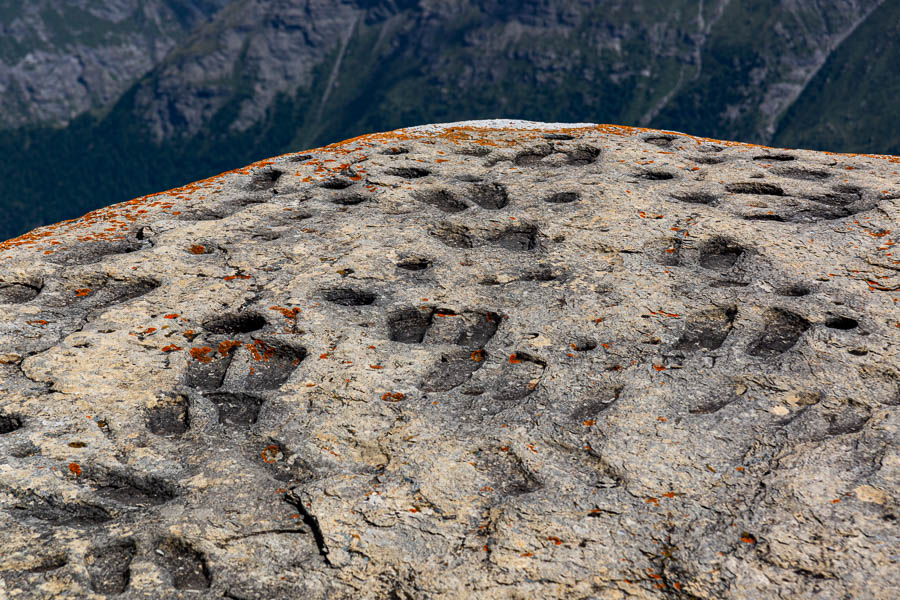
x=60, y=58
x=265, y=77
x=852, y=103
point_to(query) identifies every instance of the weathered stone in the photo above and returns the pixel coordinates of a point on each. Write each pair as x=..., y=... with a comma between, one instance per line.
x=494, y=360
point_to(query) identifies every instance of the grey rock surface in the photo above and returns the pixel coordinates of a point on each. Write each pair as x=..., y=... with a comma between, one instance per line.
x=62, y=58
x=492, y=360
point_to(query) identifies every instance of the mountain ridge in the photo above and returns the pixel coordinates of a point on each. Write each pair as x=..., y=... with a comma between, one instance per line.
x=403, y=134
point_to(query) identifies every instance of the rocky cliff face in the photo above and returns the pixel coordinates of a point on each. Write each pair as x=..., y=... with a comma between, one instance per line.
x=494, y=360
x=730, y=69
x=59, y=59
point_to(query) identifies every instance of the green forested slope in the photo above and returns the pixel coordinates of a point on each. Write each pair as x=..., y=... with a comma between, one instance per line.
x=853, y=103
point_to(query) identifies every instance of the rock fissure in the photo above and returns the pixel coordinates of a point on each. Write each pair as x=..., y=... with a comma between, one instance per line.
x=310, y=520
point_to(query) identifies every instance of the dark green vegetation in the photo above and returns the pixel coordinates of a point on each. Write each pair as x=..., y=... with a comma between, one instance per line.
x=801, y=74
x=853, y=103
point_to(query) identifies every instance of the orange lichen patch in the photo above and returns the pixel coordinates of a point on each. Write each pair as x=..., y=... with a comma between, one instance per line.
x=748, y=538
x=171, y=316
x=392, y=396
x=669, y=495
x=75, y=469
x=271, y=453
x=375, y=367
x=114, y=222
x=227, y=346
x=874, y=285
x=202, y=354
x=40, y=322
x=514, y=359
x=260, y=351
x=477, y=355
x=197, y=249
x=171, y=348
x=654, y=501
x=554, y=539
x=289, y=313
x=589, y=423
x=83, y=292
x=190, y=334
x=659, y=367
x=236, y=276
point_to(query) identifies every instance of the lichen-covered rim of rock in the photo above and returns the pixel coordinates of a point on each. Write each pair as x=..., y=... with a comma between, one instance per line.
x=486, y=359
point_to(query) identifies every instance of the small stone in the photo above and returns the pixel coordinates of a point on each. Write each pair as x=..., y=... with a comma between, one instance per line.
x=867, y=493
x=10, y=359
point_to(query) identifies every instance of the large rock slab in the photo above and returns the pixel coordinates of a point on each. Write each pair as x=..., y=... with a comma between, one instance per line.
x=490, y=359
